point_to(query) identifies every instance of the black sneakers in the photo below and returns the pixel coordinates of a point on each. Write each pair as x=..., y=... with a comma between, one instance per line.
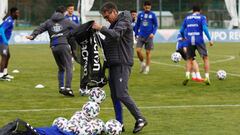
x=140, y=123
x=66, y=92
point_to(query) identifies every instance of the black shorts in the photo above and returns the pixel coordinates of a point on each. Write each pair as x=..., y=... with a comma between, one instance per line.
x=4, y=50
x=183, y=54
x=202, y=50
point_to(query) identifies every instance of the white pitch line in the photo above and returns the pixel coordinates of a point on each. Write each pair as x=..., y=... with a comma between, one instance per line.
x=143, y=107
x=230, y=57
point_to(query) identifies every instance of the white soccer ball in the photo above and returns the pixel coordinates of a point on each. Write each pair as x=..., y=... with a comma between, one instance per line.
x=85, y=128
x=91, y=109
x=113, y=127
x=221, y=74
x=176, y=57
x=60, y=122
x=79, y=116
x=72, y=126
x=98, y=125
x=97, y=95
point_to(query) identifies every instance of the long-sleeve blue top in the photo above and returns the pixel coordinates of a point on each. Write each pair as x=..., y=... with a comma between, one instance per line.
x=146, y=24
x=6, y=29
x=195, y=24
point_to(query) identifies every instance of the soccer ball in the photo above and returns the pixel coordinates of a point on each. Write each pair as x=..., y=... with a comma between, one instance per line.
x=176, y=57
x=98, y=125
x=91, y=109
x=97, y=95
x=85, y=128
x=60, y=122
x=79, y=116
x=221, y=74
x=72, y=126
x=113, y=127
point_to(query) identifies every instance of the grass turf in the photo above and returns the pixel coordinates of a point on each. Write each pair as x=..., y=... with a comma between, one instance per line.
x=170, y=108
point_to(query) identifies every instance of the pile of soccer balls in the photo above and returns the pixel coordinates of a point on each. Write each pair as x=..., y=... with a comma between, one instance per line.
x=221, y=74
x=176, y=57
x=85, y=121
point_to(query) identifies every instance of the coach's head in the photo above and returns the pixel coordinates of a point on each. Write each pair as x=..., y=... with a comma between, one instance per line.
x=109, y=12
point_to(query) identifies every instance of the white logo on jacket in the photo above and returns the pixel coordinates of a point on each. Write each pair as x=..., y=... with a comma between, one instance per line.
x=57, y=27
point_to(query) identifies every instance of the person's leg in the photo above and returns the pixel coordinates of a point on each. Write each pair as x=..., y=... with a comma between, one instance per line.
x=4, y=60
x=66, y=58
x=148, y=47
x=148, y=60
x=140, y=43
x=190, y=55
x=116, y=103
x=56, y=54
x=202, y=50
x=120, y=79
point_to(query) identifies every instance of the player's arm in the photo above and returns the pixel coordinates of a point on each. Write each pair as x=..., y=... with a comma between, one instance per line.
x=205, y=30
x=137, y=25
x=3, y=36
x=183, y=29
x=155, y=24
x=42, y=28
x=5, y=25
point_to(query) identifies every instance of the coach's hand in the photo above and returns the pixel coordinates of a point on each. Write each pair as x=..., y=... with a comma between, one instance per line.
x=96, y=26
x=29, y=37
x=211, y=43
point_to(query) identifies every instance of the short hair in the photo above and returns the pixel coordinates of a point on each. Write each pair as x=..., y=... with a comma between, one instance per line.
x=108, y=7
x=147, y=3
x=133, y=11
x=13, y=10
x=61, y=9
x=70, y=5
x=196, y=8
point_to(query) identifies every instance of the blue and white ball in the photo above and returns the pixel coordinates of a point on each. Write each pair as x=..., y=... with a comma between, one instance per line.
x=72, y=126
x=97, y=95
x=85, y=128
x=91, y=109
x=60, y=122
x=221, y=74
x=176, y=57
x=113, y=127
x=98, y=125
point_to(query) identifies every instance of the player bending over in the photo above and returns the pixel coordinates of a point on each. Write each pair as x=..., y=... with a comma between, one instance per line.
x=181, y=47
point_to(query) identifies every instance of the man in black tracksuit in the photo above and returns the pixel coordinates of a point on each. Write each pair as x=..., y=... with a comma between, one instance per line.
x=58, y=28
x=118, y=50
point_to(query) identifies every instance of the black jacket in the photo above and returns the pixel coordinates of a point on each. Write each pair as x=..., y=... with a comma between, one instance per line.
x=118, y=44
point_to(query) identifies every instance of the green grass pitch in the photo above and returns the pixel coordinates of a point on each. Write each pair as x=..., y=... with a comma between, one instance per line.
x=170, y=108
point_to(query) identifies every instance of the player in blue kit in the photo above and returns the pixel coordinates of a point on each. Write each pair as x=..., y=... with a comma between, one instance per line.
x=145, y=30
x=6, y=29
x=195, y=24
x=181, y=47
x=70, y=15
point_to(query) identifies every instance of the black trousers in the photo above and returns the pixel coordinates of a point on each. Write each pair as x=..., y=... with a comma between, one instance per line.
x=118, y=82
x=63, y=58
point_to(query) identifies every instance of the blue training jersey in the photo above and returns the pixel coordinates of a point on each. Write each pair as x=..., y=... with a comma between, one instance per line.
x=195, y=24
x=73, y=18
x=6, y=29
x=180, y=42
x=146, y=24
